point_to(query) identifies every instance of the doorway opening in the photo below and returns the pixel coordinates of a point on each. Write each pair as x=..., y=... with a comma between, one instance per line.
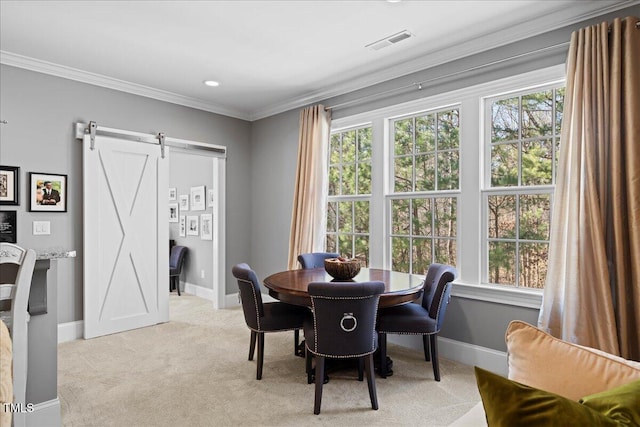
x=196, y=200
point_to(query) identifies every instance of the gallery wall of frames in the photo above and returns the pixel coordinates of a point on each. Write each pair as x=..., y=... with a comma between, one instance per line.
x=190, y=211
x=46, y=192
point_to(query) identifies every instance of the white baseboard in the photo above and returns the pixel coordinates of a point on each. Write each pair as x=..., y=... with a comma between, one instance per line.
x=232, y=300
x=70, y=331
x=458, y=351
x=45, y=414
x=198, y=291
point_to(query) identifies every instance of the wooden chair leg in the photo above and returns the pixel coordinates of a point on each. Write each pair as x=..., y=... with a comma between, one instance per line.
x=319, y=383
x=177, y=278
x=296, y=342
x=309, y=369
x=252, y=345
x=371, y=380
x=260, y=354
x=360, y=368
x=434, y=356
x=382, y=346
x=425, y=344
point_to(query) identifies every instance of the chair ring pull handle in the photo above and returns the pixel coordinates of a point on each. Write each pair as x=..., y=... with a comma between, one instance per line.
x=348, y=316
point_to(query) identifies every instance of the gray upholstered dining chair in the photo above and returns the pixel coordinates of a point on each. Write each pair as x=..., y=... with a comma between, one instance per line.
x=264, y=317
x=176, y=261
x=342, y=326
x=315, y=259
x=419, y=319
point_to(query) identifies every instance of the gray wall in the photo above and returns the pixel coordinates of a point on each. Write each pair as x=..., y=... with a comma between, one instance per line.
x=273, y=169
x=186, y=171
x=39, y=137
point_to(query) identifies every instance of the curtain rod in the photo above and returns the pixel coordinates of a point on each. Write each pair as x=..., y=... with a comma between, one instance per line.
x=419, y=85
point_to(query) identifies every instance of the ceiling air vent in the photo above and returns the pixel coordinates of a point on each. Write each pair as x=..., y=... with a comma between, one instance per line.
x=390, y=40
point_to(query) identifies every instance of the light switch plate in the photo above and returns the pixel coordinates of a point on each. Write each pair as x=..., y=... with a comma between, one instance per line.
x=41, y=228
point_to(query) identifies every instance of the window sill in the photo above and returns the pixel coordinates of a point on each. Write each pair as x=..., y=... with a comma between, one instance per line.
x=527, y=298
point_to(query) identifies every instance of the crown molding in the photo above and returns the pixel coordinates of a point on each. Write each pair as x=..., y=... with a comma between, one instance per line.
x=441, y=56
x=353, y=83
x=75, y=74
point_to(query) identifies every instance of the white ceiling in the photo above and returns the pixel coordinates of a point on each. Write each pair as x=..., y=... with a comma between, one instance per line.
x=269, y=56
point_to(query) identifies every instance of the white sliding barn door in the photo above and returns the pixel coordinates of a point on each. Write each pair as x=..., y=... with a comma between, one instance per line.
x=126, y=235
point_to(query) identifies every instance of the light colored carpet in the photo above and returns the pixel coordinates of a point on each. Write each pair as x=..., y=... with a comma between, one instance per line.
x=193, y=371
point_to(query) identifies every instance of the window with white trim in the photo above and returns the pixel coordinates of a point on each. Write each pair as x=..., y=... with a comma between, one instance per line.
x=464, y=178
x=349, y=193
x=425, y=171
x=522, y=142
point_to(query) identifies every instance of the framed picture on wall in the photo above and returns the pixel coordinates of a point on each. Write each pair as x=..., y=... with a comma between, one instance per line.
x=173, y=212
x=197, y=198
x=210, y=196
x=48, y=192
x=173, y=194
x=192, y=225
x=183, y=226
x=206, y=227
x=9, y=188
x=184, y=202
x=8, y=227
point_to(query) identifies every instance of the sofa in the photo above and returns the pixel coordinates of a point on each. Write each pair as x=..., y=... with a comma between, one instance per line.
x=554, y=382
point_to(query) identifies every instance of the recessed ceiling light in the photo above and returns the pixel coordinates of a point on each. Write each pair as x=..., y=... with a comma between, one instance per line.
x=211, y=83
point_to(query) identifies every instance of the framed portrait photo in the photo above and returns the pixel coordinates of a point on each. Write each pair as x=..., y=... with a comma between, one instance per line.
x=173, y=212
x=184, y=202
x=173, y=193
x=197, y=198
x=192, y=225
x=183, y=226
x=9, y=188
x=210, y=198
x=206, y=227
x=48, y=192
x=8, y=227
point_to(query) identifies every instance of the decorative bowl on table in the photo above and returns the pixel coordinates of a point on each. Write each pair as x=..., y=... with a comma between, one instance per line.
x=342, y=268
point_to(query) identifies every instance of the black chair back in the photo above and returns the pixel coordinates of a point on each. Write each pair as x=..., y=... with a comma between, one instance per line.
x=437, y=291
x=250, y=294
x=176, y=259
x=344, y=315
x=315, y=259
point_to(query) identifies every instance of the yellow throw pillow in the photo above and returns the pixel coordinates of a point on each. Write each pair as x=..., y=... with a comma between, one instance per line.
x=621, y=403
x=508, y=403
x=542, y=361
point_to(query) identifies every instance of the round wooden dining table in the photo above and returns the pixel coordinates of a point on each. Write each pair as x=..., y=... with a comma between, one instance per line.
x=291, y=286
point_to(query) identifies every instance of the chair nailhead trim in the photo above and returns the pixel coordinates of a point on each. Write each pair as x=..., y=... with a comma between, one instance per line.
x=421, y=333
x=255, y=303
x=315, y=327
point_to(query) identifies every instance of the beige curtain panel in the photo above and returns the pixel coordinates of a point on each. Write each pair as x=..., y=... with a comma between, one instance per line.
x=308, y=221
x=592, y=292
